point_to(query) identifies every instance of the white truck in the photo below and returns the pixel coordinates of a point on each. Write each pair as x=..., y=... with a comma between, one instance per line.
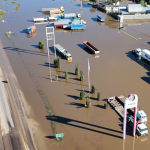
x=141, y=128
x=142, y=53
x=141, y=115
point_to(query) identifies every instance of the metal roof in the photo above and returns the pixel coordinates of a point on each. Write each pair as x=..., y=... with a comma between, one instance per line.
x=134, y=8
x=142, y=126
x=48, y=9
x=70, y=14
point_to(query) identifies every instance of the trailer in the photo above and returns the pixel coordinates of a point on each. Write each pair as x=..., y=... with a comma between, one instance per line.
x=31, y=29
x=77, y=27
x=66, y=26
x=52, y=18
x=100, y=18
x=48, y=9
x=91, y=47
x=55, y=11
x=61, y=22
x=69, y=15
x=40, y=19
x=63, y=52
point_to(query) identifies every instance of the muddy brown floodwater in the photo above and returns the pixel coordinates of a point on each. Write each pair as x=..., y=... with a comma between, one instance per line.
x=114, y=72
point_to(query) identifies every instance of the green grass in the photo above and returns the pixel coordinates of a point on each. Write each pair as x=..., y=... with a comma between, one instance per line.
x=2, y=12
x=8, y=36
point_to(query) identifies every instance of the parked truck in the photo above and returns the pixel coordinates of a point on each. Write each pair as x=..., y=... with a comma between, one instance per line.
x=100, y=18
x=63, y=52
x=141, y=128
x=142, y=53
x=31, y=29
x=77, y=26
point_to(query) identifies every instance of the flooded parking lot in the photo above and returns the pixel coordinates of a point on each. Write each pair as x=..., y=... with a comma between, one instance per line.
x=115, y=72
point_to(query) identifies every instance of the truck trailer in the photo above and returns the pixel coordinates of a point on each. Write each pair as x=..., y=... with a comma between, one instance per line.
x=100, y=18
x=91, y=47
x=77, y=26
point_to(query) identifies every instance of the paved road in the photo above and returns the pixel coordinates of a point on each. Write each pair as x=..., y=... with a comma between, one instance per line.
x=19, y=137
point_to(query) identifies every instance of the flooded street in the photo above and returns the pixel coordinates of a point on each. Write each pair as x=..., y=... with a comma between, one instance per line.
x=115, y=72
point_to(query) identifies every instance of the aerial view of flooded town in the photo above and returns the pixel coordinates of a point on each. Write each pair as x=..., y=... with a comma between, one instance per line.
x=75, y=74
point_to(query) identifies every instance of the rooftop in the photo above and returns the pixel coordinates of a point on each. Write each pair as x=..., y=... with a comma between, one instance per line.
x=142, y=113
x=142, y=126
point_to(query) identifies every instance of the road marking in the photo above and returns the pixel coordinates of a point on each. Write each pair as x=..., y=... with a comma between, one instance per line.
x=142, y=32
x=130, y=35
x=14, y=111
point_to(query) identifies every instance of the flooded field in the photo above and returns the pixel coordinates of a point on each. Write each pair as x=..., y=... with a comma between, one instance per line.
x=115, y=72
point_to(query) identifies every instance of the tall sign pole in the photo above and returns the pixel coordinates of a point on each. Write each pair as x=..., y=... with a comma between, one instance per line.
x=50, y=35
x=89, y=76
x=130, y=102
x=81, y=9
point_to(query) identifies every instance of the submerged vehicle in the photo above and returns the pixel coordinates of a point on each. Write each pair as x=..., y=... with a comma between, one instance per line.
x=63, y=52
x=91, y=47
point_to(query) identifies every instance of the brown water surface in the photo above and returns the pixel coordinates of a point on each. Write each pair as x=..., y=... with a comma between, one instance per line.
x=114, y=72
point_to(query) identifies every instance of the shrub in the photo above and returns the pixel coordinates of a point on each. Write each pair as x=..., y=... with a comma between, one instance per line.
x=106, y=105
x=149, y=2
x=145, y=4
x=66, y=74
x=76, y=70
x=57, y=62
x=93, y=89
x=2, y=12
x=98, y=96
x=41, y=45
x=82, y=95
x=8, y=36
x=81, y=76
x=88, y=103
x=142, y=2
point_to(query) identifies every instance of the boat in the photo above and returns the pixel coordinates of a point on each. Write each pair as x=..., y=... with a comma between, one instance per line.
x=63, y=52
x=100, y=18
x=91, y=47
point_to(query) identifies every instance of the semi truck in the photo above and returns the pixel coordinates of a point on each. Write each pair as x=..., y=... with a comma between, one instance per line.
x=77, y=26
x=141, y=128
x=31, y=29
x=63, y=52
x=142, y=53
x=100, y=18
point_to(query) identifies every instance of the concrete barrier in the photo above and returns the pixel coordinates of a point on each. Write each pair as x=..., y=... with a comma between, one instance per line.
x=145, y=16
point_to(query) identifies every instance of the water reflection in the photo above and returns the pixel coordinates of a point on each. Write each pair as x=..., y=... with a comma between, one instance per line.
x=111, y=23
x=42, y=50
x=93, y=10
